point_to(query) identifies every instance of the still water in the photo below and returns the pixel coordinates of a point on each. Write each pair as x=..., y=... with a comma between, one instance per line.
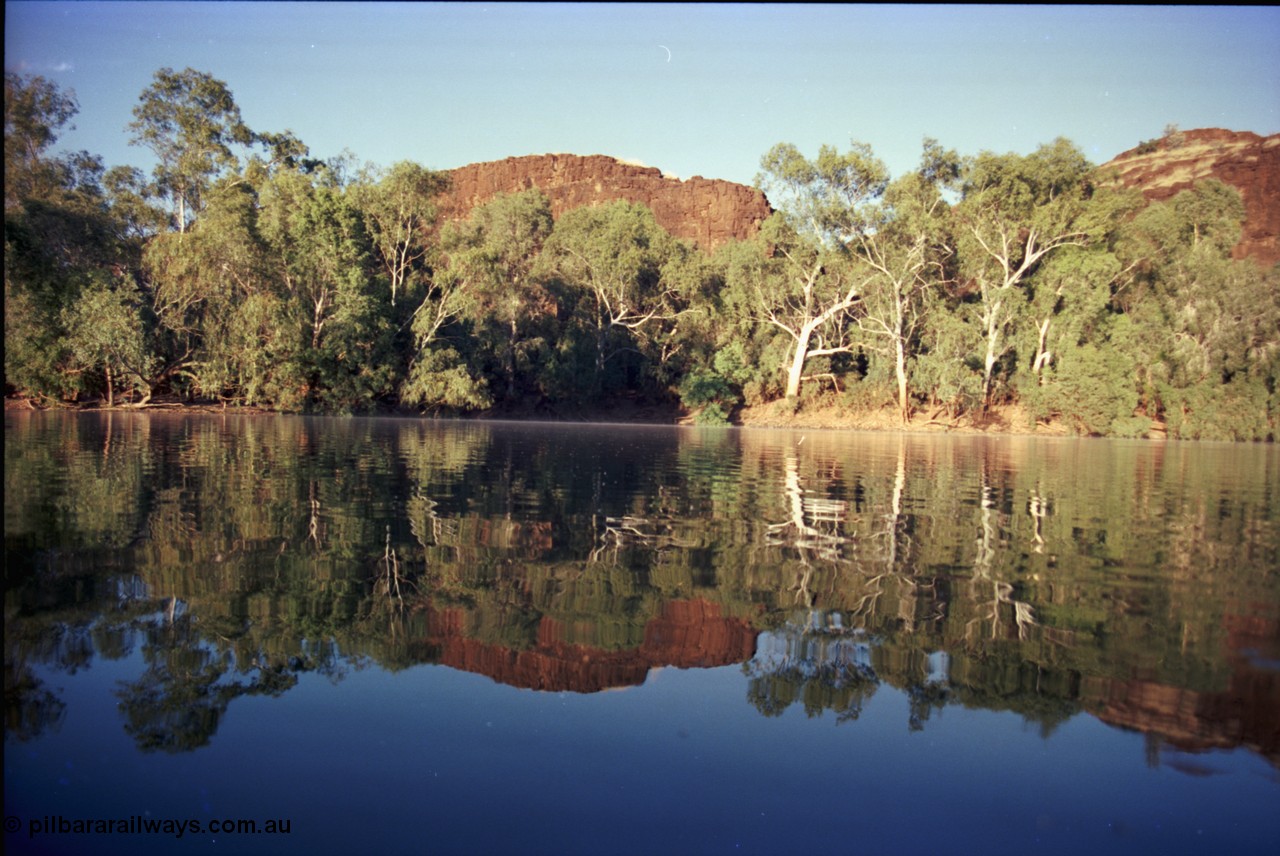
x=405, y=636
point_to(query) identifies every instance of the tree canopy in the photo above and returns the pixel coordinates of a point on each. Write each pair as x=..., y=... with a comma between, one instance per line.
x=245, y=271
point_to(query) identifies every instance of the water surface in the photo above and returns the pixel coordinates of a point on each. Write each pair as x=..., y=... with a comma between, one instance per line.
x=418, y=636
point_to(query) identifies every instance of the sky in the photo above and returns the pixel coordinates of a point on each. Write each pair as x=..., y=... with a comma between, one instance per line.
x=693, y=89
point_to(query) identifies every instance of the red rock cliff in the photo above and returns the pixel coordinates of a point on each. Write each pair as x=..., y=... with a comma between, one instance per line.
x=708, y=212
x=1244, y=160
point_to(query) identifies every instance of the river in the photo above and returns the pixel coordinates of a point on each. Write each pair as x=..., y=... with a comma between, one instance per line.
x=401, y=635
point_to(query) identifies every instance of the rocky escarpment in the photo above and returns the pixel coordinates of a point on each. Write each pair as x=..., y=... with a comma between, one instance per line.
x=1248, y=162
x=708, y=212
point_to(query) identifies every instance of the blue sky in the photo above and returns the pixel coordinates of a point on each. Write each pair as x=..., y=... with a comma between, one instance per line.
x=695, y=89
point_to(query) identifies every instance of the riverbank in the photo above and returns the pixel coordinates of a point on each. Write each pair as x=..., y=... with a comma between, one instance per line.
x=814, y=414
x=831, y=415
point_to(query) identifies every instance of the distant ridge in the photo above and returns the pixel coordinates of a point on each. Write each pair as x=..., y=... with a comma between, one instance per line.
x=1248, y=162
x=709, y=212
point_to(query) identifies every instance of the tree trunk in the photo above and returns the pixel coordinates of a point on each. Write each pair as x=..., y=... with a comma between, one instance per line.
x=901, y=366
x=797, y=364
x=111, y=397
x=601, y=333
x=511, y=358
x=988, y=365
x=1042, y=355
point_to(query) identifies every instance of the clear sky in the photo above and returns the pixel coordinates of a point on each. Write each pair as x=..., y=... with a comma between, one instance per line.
x=694, y=89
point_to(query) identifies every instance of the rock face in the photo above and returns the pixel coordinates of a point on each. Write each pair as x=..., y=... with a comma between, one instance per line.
x=708, y=212
x=1244, y=160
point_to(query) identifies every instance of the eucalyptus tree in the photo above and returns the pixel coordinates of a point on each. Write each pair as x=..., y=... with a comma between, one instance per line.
x=496, y=251
x=825, y=205
x=1072, y=346
x=908, y=254
x=106, y=333
x=1015, y=211
x=67, y=252
x=615, y=254
x=1076, y=357
x=321, y=254
x=198, y=281
x=35, y=112
x=749, y=353
x=399, y=207
x=440, y=373
x=191, y=123
x=1205, y=324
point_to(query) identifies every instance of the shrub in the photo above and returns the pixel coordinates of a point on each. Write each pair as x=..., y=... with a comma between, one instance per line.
x=708, y=393
x=1095, y=390
x=1212, y=411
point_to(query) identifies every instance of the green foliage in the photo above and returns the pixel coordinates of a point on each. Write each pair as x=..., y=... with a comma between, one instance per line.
x=300, y=285
x=947, y=366
x=265, y=344
x=869, y=393
x=710, y=395
x=493, y=257
x=36, y=349
x=106, y=332
x=439, y=379
x=35, y=111
x=616, y=257
x=1237, y=410
x=399, y=208
x=825, y=198
x=1094, y=388
x=190, y=122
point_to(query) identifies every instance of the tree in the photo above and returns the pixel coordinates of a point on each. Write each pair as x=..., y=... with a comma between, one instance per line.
x=907, y=254
x=62, y=237
x=35, y=111
x=199, y=278
x=190, y=121
x=615, y=254
x=1205, y=340
x=1016, y=210
x=399, y=208
x=825, y=206
x=322, y=259
x=496, y=251
x=106, y=333
x=807, y=292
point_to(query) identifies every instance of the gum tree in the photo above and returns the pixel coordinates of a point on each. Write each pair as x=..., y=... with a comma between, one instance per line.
x=496, y=250
x=399, y=207
x=615, y=255
x=811, y=291
x=907, y=255
x=1015, y=211
x=191, y=123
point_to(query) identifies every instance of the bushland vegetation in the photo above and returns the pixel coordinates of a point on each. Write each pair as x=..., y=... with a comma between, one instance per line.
x=246, y=272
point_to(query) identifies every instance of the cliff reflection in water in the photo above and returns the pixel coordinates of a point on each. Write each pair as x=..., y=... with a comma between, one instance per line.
x=1134, y=582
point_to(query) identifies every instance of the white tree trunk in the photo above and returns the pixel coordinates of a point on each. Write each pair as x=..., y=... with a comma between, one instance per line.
x=796, y=370
x=901, y=367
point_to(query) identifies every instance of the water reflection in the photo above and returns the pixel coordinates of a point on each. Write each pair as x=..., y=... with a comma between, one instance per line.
x=1134, y=582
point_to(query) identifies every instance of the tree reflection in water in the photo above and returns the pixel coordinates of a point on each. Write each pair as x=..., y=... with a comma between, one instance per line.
x=1126, y=580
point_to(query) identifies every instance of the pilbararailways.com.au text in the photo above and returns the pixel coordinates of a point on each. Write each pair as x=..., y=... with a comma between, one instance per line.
x=137, y=824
